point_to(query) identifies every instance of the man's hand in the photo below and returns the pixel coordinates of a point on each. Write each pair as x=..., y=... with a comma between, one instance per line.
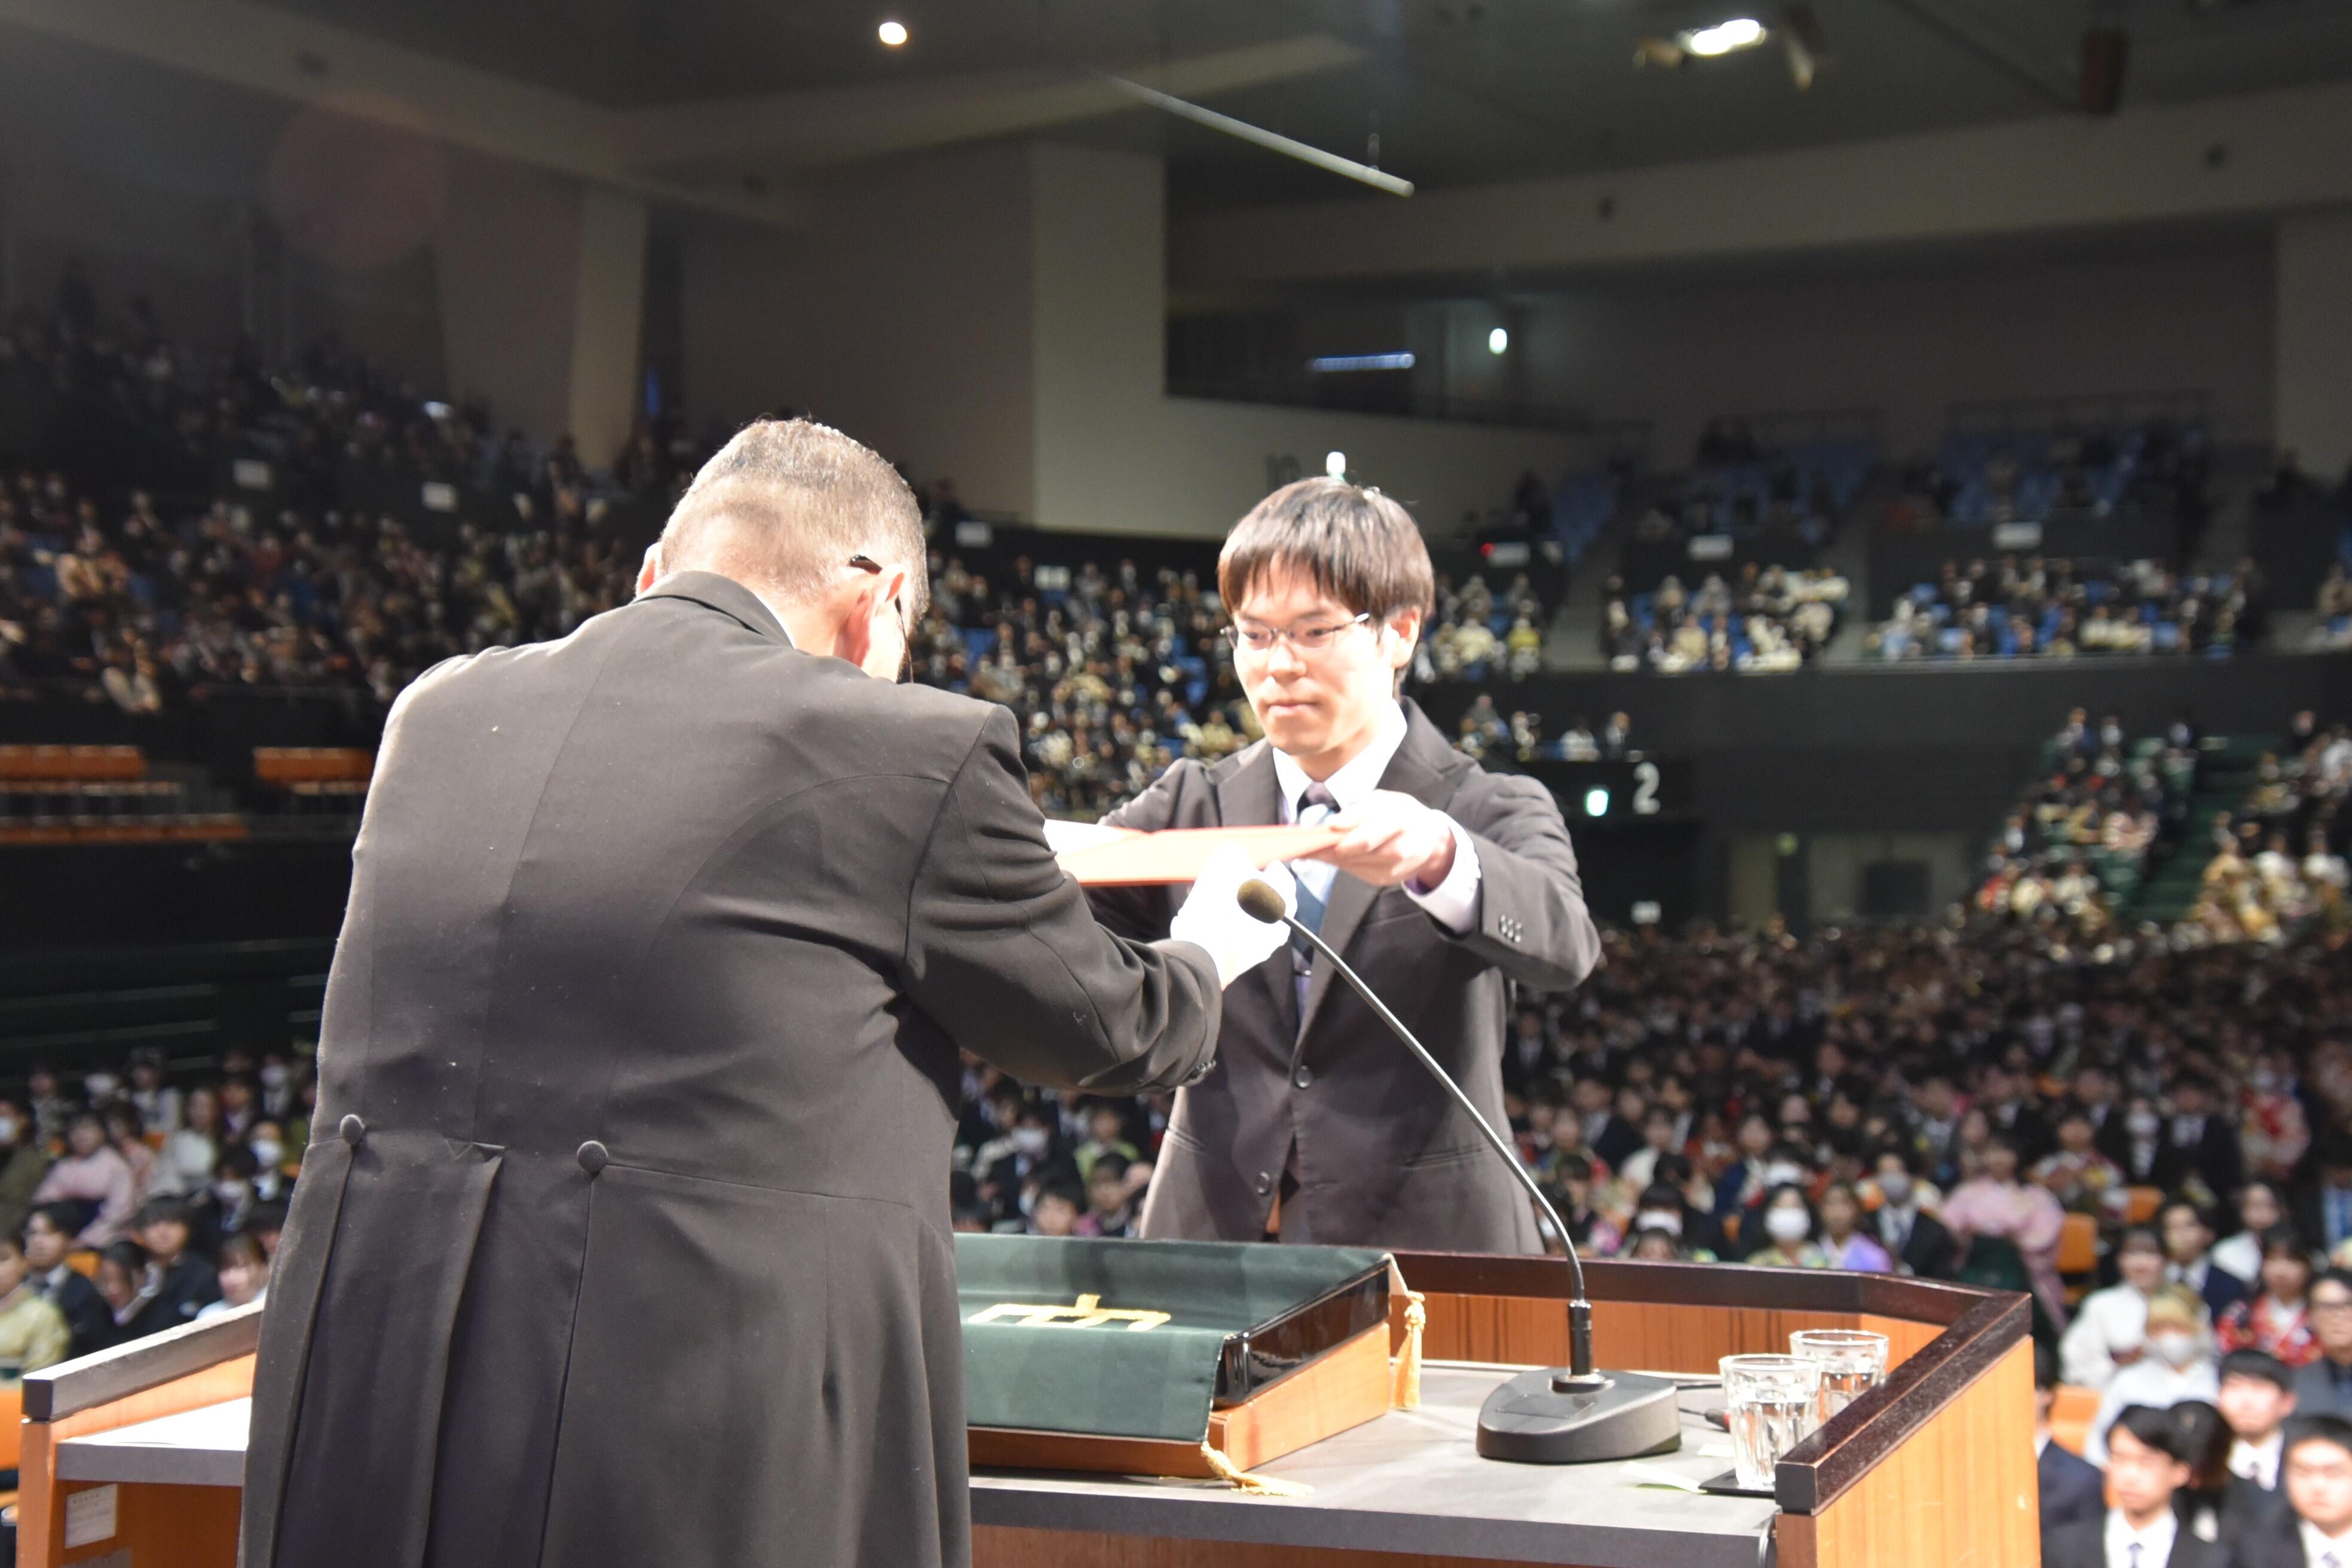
x=1392, y=838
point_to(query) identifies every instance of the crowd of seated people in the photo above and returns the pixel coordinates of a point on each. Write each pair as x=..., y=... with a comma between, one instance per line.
x=2278, y=863
x=1769, y=620
x=2076, y=846
x=2051, y=607
x=132, y=1202
x=1484, y=734
x=2028, y=476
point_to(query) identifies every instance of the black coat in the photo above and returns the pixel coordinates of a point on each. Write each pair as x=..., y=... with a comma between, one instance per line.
x=623, y=1238
x=85, y=1310
x=2084, y=1544
x=1930, y=1251
x=2072, y=1487
x=2276, y=1542
x=2216, y=1156
x=1384, y=1157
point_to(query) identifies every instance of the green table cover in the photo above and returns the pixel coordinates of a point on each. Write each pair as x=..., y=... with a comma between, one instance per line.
x=1141, y=1360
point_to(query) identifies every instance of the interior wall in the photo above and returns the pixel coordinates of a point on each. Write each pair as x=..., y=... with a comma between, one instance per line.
x=507, y=261
x=1908, y=342
x=901, y=316
x=2314, y=339
x=1113, y=451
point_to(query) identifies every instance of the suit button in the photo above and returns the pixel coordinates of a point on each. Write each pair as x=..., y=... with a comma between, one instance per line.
x=352, y=1129
x=1264, y=1183
x=1304, y=1076
x=593, y=1156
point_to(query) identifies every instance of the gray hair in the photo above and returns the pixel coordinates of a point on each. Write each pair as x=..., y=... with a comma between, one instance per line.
x=786, y=504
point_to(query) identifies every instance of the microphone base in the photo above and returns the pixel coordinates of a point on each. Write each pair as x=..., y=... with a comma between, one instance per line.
x=1545, y=1417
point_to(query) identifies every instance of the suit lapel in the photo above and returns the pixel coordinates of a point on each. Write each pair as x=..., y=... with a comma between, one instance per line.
x=1424, y=768
x=1249, y=796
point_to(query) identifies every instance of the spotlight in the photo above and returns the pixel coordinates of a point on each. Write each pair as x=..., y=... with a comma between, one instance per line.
x=1336, y=464
x=892, y=33
x=1497, y=340
x=1724, y=37
x=1596, y=802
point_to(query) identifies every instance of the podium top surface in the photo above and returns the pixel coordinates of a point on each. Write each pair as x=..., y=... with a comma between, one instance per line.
x=1412, y=1481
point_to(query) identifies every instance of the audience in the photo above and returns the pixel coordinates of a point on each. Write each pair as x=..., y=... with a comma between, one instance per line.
x=33, y=1331
x=1773, y=619
x=2059, y=608
x=2149, y=1464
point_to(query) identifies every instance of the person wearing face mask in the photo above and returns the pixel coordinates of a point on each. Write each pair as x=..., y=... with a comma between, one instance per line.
x=23, y=1164
x=1663, y=1211
x=2175, y=1365
x=1788, y=1224
x=2110, y=1326
x=661, y=942
x=1917, y=1241
x=1784, y=1166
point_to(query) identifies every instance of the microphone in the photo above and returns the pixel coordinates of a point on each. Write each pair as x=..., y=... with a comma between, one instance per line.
x=1549, y=1416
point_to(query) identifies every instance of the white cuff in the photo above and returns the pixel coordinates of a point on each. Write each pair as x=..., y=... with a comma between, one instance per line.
x=1454, y=902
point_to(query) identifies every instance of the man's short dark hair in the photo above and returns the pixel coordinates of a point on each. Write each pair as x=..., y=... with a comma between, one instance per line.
x=2334, y=1277
x=265, y=1219
x=2258, y=1364
x=1067, y=1192
x=1358, y=546
x=2315, y=1428
x=2155, y=1429
x=2045, y=1366
x=63, y=1218
x=163, y=1211
x=1110, y=1162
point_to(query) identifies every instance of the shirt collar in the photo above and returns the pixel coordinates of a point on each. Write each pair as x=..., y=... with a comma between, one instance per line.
x=2154, y=1541
x=2317, y=1542
x=1355, y=778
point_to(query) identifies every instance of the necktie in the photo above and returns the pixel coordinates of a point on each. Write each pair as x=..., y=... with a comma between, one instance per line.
x=1315, y=806
x=2133, y=1549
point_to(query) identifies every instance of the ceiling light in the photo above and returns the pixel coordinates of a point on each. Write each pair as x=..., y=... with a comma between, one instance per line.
x=892, y=33
x=1497, y=340
x=1724, y=37
x=1336, y=364
x=1336, y=464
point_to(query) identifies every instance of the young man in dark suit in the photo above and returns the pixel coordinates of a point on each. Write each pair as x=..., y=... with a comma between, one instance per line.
x=2073, y=1490
x=1451, y=885
x=1914, y=1239
x=2147, y=1464
x=2315, y=1529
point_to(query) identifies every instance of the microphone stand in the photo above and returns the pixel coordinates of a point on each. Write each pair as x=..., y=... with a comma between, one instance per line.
x=1547, y=1417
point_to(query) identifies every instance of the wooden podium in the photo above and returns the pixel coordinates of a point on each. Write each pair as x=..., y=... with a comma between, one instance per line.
x=141, y=1450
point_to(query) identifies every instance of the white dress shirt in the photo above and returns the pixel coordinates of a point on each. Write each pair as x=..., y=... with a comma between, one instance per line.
x=2322, y=1550
x=1454, y=902
x=2148, y=1382
x=2259, y=1462
x=2155, y=1543
x=2107, y=1324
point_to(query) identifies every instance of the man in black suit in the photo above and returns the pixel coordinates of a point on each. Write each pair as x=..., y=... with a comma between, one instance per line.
x=2147, y=1463
x=2323, y=1385
x=623, y=1235
x=2072, y=1487
x=2096, y=1098
x=2200, y=1141
x=1450, y=884
x=49, y=1238
x=2323, y=1207
x=2256, y=1398
x=2188, y=1256
x=1914, y=1239
x=2315, y=1530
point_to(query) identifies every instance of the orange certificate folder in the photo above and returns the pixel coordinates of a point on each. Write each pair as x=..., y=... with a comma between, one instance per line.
x=1116, y=858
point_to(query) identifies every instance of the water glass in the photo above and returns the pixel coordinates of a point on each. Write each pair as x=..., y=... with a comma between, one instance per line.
x=1852, y=1363
x=1771, y=1402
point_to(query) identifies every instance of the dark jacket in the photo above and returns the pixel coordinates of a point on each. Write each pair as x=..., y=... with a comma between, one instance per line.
x=1930, y=1251
x=1383, y=1156
x=624, y=1236
x=2323, y=1388
x=85, y=1312
x=2084, y=1544
x=2071, y=1488
x=2216, y=1158
x=2276, y=1542
x=188, y=1286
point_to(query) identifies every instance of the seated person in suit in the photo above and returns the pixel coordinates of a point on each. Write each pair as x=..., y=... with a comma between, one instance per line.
x=2188, y=1235
x=2147, y=1465
x=2324, y=1385
x=49, y=1236
x=2178, y=1365
x=1918, y=1239
x=2109, y=1325
x=2315, y=1530
x=2071, y=1488
x=180, y=1283
x=2256, y=1398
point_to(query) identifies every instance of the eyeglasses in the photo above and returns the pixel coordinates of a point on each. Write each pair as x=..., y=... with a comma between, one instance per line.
x=864, y=562
x=1246, y=636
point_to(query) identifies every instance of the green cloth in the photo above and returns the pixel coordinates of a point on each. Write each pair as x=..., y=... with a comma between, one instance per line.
x=1110, y=1378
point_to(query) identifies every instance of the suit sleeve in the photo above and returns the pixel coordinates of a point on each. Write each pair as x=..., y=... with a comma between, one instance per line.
x=1003, y=953
x=1143, y=912
x=1531, y=922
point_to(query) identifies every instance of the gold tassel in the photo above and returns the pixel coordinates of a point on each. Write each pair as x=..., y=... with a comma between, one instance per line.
x=1241, y=1479
x=1404, y=1369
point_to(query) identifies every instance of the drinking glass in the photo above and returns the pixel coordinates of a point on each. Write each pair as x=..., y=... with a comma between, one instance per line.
x=1852, y=1363
x=1770, y=1403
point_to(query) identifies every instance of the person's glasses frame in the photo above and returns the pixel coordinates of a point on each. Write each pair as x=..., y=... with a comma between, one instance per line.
x=864, y=562
x=1308, y=640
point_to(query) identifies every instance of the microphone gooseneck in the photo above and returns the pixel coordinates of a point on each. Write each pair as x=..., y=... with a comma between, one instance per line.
x=1260, y=901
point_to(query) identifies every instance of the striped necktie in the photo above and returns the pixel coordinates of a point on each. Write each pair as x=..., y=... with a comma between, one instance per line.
x=1315, y=806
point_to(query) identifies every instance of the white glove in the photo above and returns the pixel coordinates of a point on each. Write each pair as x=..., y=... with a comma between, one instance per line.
x=1213, y=919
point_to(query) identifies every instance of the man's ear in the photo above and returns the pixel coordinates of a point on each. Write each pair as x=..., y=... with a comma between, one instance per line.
x=651, y=569
x=1406, y=625
x=852, y=636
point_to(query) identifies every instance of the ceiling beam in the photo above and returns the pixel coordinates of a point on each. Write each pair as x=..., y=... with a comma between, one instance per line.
x=834, y=125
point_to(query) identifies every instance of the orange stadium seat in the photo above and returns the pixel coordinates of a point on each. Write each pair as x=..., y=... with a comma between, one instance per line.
x=2070, y=1415
x=2078, y=1251
x=2142, y=1204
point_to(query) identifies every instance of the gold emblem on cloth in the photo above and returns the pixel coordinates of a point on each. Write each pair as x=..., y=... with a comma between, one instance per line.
x=1088, y=1312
